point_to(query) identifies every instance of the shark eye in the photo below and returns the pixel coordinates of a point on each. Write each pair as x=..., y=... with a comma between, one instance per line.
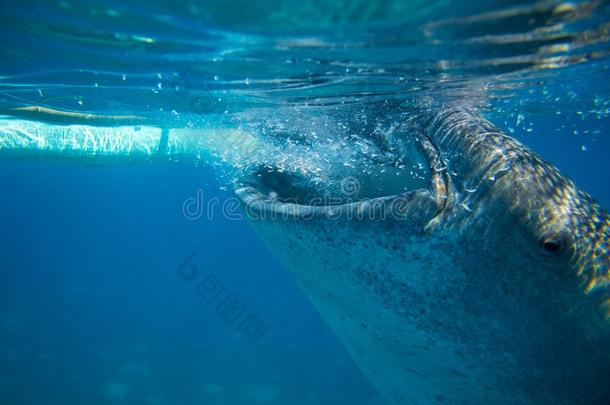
x=552, y=245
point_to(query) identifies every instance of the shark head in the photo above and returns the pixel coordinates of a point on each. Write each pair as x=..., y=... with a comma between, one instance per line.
x=523, y=201
x=487, y=284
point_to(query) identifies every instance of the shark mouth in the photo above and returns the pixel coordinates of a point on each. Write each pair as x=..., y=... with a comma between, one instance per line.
x=381, y=191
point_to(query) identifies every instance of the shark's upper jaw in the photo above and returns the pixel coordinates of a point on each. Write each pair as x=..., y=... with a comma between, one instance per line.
x=282, y=192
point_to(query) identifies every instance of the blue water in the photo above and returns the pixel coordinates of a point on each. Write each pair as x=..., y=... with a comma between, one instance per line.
x=95, y=306
x=94, y=309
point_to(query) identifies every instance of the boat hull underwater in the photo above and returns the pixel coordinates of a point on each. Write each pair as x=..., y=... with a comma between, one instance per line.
x=490, y=286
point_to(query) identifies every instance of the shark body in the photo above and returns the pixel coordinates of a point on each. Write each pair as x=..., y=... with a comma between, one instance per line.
x=490, y=286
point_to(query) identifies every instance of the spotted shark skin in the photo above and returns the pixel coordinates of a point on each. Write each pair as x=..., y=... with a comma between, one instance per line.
x=490, y=286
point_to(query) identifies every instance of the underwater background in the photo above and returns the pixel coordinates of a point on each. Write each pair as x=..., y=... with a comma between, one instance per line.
x=102, y=262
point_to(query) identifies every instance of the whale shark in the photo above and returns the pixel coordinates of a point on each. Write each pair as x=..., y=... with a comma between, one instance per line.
x=485, y=281
x=490, y=285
